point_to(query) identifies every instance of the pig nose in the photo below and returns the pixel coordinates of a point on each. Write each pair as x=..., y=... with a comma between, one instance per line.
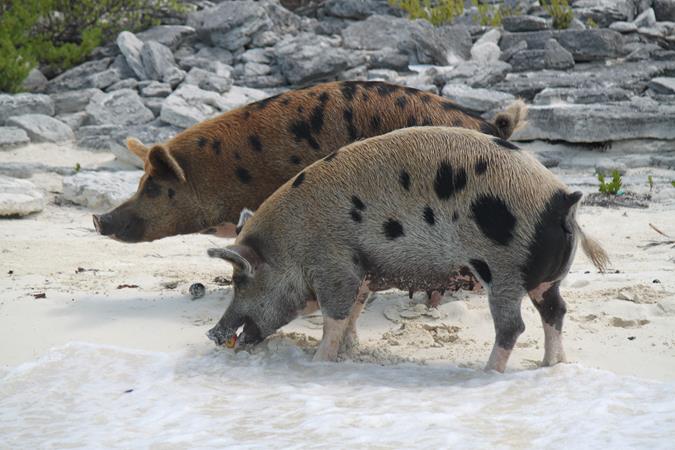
x=102, y=224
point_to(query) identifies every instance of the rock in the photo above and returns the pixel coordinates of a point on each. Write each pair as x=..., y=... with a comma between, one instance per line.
x=533, y=39
x=238, y=96
x=524, y=23
x=197, y=290
x=493, y=35
x=356, y=9
x=154, y=104
x=591, y=45
x=189, y=105
x=443, y=45
x=127, y=83
x=12, y=137
x=230, y=25
x=387, y=58
x=647, y=18
x=551, y=96
x=604, y=12
x=123, y=107
x=623, y=27
x=486, y=53
x=125, y=72
x=74, y=120
x=41, y=128
x=131, y=47
x=34, y=82
x=253, y=69
x=207, y=80
x=171, y=36
x=576, y=24
x=212, y=54
x=85, y=75
x=509, y=52
x=384, y=75
x=19, y=104
x=159, y=64
x=553, y=56
x=607, y=166
x=599, y=123
x=73, y=101
x=19, y=197
x=149, y=134
x=156, y=89
x=96, y=137
x=308, y=57
x=359, y=73
x=102, y=80
x=472, y=74
x=663, y=85
x=101, y=190
x=664, y=10
x=479, y=100
x=556, y=57
x=257, y=55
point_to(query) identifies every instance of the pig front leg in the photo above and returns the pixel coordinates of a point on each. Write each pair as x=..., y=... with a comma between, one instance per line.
x=351, y=338
x=546, y=298
x=336, y=293
x=505, y=308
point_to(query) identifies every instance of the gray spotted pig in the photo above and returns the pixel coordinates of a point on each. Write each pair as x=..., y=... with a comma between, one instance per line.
x=412, y=204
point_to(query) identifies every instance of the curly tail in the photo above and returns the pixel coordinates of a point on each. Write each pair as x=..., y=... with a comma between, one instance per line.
x=511, y=119
x=593, y=250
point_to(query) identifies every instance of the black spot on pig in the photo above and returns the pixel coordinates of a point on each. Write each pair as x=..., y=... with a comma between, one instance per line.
x=302, y=131
x=460, y=180
x=254, y=140
x=427, y=122
x=295, y=159
x=152, y=189
x=237, y=156
x=324, y=97
x=285, y=101
x=447, y=183
x=392, y=229
x=429, y=216
x=375, y=123
x=301, y=109
x=412, y=121
x=401, y=102
x=404, y=179
x=316, y=119
x=356, y=216
x=243, y=175
x=201, y=142
x=426, y=98
x=553, y=241
x=299, y=179
x=488, y=128
x=358, y=204
x=348, y=89
x=482, y=269
x=455, y=216
x=385, y=89
x=171, y=193
x=494, y=218
x=552, y=308
x=215, y=145
x=481, y=166
x=506, y=144
x=348, y=115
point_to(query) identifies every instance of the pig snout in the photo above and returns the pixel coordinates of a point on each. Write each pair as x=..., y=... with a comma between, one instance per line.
x=220, y=335
x=125, y=226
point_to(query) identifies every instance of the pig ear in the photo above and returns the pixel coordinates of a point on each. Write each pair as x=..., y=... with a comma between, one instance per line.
x=243, y=218
x=137, y=148
x=241, y=256
x=164, y=164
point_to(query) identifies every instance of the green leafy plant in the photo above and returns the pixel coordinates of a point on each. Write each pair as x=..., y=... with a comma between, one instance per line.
x=672, y=183
x=612, y=187
x=590, y=23
x=437, y=13
x=78, y=167
x=560, y=11
x=492, y=14
x=650, y=182
x=57, y=34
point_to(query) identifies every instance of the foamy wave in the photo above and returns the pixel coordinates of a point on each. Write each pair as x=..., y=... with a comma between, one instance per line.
x=92, y=396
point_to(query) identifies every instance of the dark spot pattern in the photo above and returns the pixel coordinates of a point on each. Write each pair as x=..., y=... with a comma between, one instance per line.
x=426, y=98
x=412, y=121
x=455, y=216
x=152, y=189
x=301, y=109
x=506, y=144
x=385, y=89
x=365, y=96
x=553, y=242
x=488, y=128
x=254, y=140
x=348, y=89
x=482, y=269
x=262, y=104
x=401, y=102
x=429, y=216
x=447, y=183
x=316, y=119
x=404, y=179
x=494, y=218
x=201, y=142
x=411, y=91
x=286, y=101
x=375, y=123
x=299, y=179
x=295, y=159
x=552, y=308
x=302, y=131
x=355, y=215
x=481, y=166
x=427, y=122
x=243, y=174
x=237, y=156
x=348, y=115
x=324, y=97
x=392, y=229
x=456, y=123
x=215, y=145
x=358, y=204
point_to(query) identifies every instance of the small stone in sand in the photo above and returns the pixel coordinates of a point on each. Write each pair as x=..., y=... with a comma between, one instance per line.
x=197, y=290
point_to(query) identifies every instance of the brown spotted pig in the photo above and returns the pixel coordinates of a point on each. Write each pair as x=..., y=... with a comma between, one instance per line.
x=207, y=174
x=412, y=204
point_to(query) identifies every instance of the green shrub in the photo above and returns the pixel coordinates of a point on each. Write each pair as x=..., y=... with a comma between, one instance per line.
x=590, y=23
x=491, y=15
x=613, y=187
x=560, y=11
x=438, y=13
x=57, y=34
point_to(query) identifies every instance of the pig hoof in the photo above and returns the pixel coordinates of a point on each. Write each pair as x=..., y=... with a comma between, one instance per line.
x=350, y=342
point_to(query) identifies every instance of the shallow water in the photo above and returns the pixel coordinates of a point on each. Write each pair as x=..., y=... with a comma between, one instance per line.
x=93, y=396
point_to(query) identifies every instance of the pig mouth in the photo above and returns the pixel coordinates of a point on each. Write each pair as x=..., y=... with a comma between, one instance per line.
x=249, y=336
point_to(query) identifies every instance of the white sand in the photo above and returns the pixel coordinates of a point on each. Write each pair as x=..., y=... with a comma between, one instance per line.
x=44, y=252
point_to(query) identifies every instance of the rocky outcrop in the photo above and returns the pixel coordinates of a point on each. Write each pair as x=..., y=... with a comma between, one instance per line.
x=19, y=197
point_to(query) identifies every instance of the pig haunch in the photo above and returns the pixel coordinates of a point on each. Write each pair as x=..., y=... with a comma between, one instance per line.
x=410, y=205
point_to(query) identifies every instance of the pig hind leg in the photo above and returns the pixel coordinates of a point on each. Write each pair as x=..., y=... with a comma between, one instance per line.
x=505, y=308
x=551, y=306
x=336, y=294
x=351, y=339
